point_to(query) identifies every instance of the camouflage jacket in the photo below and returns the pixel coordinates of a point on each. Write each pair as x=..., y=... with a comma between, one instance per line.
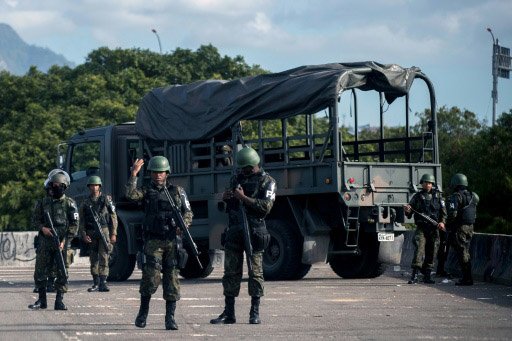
x=105, y=210
x=261, y=187
x=64, y=215
x=177, y=193
x=429, y=203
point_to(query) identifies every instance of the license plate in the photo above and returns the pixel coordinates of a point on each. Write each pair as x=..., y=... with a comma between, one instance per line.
x=385, y=237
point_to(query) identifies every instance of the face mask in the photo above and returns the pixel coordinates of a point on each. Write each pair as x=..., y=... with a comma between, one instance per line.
x=58, y=191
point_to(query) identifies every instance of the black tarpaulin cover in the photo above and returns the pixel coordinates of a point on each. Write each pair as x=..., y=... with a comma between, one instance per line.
x=202, y=109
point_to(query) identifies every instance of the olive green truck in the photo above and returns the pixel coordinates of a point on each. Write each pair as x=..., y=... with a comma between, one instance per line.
x=340, y=188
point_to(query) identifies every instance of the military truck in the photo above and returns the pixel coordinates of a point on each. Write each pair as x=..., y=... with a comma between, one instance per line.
x=340, y=193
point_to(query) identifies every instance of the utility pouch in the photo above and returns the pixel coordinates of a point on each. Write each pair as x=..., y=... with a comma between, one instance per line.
x=181, y=253
x=260, y=238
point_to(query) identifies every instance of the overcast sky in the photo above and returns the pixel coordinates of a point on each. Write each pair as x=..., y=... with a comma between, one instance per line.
x=446, y=39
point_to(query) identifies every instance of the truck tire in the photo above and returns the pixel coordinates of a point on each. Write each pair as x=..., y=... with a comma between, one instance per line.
x=192, y=269
x=120, y=263
x=364, y=265
x=282, y=258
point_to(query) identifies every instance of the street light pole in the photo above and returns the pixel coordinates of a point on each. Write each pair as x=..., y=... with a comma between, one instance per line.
x=494, y=93
x=158, y=37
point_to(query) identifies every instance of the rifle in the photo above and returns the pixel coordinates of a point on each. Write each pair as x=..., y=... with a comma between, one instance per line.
x=247, y=233
x=426, y=217
x=98, y=229
x=60, y=259
x=178, y=218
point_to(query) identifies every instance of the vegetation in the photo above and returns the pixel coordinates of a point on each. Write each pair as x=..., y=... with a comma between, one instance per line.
x=40, y=110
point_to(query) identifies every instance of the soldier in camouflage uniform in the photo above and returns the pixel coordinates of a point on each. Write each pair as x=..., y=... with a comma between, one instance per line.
x=159, y=233
x=461, y=217
x=256, y=191
x=64, y=214
x=103, y=208
x=52, y=273
x=429, y=202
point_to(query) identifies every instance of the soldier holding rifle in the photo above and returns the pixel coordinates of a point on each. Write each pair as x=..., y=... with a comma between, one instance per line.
x=430, y=216
x=98, y=230
x=249, y=197
x=56, y=218
x=160, y=232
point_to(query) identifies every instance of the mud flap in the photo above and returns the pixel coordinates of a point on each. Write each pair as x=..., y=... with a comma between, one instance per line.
x=315, y=249
x=391, y=252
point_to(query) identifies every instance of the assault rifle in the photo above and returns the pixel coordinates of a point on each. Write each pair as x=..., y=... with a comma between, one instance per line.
x=178, y=218
x=247, y=233
x=60, y=259
x=99, y=230
x=426, y=217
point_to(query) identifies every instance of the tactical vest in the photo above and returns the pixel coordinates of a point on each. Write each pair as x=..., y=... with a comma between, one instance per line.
x=466, y=213
x=428, y=207
x=158, y=220
x=100, y=208
x=58, y=210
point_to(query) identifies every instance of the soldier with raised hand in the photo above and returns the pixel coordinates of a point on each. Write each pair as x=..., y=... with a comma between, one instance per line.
x=159, y=234
x=102, y=207
x=65, y=218
x=256, y=191
x=430, y=216
x=461, y=217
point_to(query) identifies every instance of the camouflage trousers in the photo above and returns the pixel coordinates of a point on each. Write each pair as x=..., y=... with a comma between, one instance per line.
x=46, y=259
x=460, y=239
x=426, y=241
x=233, y=269
x=160, y=266
x=98, y=257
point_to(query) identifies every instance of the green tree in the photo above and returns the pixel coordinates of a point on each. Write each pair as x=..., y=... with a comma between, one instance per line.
x=39, y=110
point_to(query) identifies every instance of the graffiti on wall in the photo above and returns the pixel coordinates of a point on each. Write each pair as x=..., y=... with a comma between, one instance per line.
x=17, y=247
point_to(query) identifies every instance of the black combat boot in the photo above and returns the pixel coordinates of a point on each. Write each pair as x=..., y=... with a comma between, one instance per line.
x=427, y=279
x=414, y=277
x=50, y=286
x=41, y=302
x=95, y=283
x=140, y=321
x=59, y=304
x=103, y=284
x=254, y=314
x=467, y=277
x=170, y=308
x=228, y=315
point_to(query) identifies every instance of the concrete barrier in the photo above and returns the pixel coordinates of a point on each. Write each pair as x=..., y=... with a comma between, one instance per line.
x=17, y=249
x=491, y=257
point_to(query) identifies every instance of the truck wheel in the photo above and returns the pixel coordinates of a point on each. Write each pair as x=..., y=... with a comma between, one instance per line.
x=192, y=269
x=364, y=265
x=120, y=263
x=282, y=258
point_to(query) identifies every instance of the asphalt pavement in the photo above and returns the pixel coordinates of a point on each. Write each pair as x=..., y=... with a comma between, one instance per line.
x=320, y=306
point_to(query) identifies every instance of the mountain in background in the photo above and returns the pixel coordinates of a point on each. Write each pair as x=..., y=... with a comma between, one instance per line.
x=17, y=57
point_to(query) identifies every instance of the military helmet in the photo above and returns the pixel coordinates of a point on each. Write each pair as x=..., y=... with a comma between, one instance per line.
x=427, y=177
x=247, y=157
x=59, y=178
x=159, y=164
x=459, y=179
x=94, y=180
x=56, y=171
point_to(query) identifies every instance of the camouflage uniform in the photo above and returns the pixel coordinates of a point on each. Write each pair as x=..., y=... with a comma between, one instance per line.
x=159, y=233
x=261, y=187
x=461, y=217
x=426, y=236
x=106, y=212
x=64, y=214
